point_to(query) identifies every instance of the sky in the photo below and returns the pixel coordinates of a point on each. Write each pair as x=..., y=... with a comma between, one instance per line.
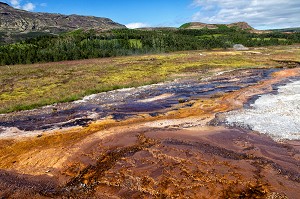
x=261, y=14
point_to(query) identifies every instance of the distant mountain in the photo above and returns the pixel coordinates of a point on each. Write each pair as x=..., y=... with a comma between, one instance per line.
x=199, y=25
x=288, y=30
x=15, y=21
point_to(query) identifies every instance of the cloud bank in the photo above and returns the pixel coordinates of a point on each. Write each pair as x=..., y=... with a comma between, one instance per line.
x=261, y=14
x=28, y=6
x=136, y=25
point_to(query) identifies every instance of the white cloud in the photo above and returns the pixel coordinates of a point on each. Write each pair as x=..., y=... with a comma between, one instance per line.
x=136, y=25
x=261, y=14
x=28, y=7
x=17, y=4
x=43, y=4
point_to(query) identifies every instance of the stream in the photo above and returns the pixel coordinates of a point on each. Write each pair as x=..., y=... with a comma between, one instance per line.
x=125, y=103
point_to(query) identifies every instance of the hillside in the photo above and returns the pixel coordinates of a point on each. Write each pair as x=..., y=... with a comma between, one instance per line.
x=15, y=22
x=199, y=25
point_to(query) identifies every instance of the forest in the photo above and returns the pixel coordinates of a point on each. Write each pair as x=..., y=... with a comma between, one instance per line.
x=82, y=44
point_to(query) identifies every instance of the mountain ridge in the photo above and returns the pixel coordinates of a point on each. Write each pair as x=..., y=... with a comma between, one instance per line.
x=21, y=21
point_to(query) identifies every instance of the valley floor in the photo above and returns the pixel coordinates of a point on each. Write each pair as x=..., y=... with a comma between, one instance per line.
x=165, y=140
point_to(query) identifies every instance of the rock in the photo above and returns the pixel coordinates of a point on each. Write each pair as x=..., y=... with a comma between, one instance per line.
x=239, y=47
x=241, y=25
x=21, y=21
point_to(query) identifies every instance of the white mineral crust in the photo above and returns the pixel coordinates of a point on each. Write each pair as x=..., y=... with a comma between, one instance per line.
x=277, y=115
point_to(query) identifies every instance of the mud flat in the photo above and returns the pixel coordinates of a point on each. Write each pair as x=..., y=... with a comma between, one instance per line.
x=161, y=141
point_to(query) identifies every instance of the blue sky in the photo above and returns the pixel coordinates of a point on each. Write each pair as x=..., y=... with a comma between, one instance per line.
x=262, y=14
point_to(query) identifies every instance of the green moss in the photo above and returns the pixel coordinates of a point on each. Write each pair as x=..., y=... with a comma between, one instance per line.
x=30, y=86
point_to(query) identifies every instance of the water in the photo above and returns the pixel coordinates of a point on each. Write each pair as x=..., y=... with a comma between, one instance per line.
x=277, y=115
x=125, y=103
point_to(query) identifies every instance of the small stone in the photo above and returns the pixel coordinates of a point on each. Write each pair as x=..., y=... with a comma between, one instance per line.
x=182, y=100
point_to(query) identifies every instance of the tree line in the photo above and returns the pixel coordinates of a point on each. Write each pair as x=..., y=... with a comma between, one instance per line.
x=82, y=44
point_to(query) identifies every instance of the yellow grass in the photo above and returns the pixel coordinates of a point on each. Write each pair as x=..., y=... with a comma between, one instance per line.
x=30, y=86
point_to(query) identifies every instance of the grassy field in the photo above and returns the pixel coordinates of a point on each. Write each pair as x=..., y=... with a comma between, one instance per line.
x=25, y=87
x=268, y=39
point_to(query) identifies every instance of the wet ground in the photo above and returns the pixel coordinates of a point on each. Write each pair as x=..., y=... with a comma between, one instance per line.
x=124, y=103
x=155, y=163
x=158, y=141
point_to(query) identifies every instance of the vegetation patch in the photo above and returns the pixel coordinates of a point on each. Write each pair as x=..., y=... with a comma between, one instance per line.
x=82, y=44
x=30, y=86
x=184, y=26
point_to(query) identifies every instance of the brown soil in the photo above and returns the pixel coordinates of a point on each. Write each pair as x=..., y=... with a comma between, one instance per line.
x=175, y=155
